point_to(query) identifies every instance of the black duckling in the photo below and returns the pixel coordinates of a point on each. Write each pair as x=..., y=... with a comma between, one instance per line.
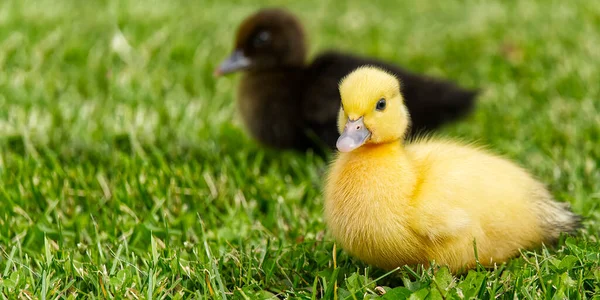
x=286, y=103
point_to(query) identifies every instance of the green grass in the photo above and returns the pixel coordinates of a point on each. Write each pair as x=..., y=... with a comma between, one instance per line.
x=125, y=172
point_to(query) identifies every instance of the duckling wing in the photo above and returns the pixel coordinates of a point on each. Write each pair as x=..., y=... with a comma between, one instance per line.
x=438, y=221
x=439, y=211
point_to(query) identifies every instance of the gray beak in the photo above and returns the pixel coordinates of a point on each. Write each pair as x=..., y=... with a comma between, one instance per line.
x=355, y=135
x=237, y=61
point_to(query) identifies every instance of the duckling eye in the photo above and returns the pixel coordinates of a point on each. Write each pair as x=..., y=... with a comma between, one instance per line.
x=380, y=105
x=262, y=38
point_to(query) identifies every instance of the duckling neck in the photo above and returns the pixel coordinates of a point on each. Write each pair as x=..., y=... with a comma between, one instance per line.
x=387, y=165
x=393, y=148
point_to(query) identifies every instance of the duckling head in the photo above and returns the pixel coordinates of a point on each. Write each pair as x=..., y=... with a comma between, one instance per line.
x=268, y=39
x=372, y=111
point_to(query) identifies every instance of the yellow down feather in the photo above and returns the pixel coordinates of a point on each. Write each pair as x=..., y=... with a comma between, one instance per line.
x=389, y=204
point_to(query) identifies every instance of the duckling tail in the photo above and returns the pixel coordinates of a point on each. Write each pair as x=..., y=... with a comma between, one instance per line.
x=556, y=218
x=437, y=104
x=457, y=104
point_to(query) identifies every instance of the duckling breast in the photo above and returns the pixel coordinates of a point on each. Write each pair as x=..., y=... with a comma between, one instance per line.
x=367, y=209
x=268, y=105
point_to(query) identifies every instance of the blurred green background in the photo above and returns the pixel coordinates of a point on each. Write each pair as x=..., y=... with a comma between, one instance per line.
x=124, y=171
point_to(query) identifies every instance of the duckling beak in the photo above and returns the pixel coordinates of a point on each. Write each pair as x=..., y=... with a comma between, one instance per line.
x=355, y=134
x=237, y=61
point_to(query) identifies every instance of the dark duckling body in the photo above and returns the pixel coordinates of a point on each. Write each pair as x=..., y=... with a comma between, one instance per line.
x=288, y=104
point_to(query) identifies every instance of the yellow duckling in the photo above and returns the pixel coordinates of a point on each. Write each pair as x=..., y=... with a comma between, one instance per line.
x=392, y=205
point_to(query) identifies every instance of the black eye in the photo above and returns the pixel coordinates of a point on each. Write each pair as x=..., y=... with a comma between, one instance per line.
x=380, y=104
x=262, y=38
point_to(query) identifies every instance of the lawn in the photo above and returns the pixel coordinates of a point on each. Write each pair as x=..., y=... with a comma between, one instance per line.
x=125, y=171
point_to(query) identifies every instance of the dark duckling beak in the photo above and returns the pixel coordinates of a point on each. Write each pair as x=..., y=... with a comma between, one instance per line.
x=355, y=135
x=237, y=61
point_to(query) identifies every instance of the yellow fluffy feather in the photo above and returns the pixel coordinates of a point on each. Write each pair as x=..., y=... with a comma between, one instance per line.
x=392, y=205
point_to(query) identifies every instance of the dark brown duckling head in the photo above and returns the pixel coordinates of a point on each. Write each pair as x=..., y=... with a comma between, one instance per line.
x=271, y=38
